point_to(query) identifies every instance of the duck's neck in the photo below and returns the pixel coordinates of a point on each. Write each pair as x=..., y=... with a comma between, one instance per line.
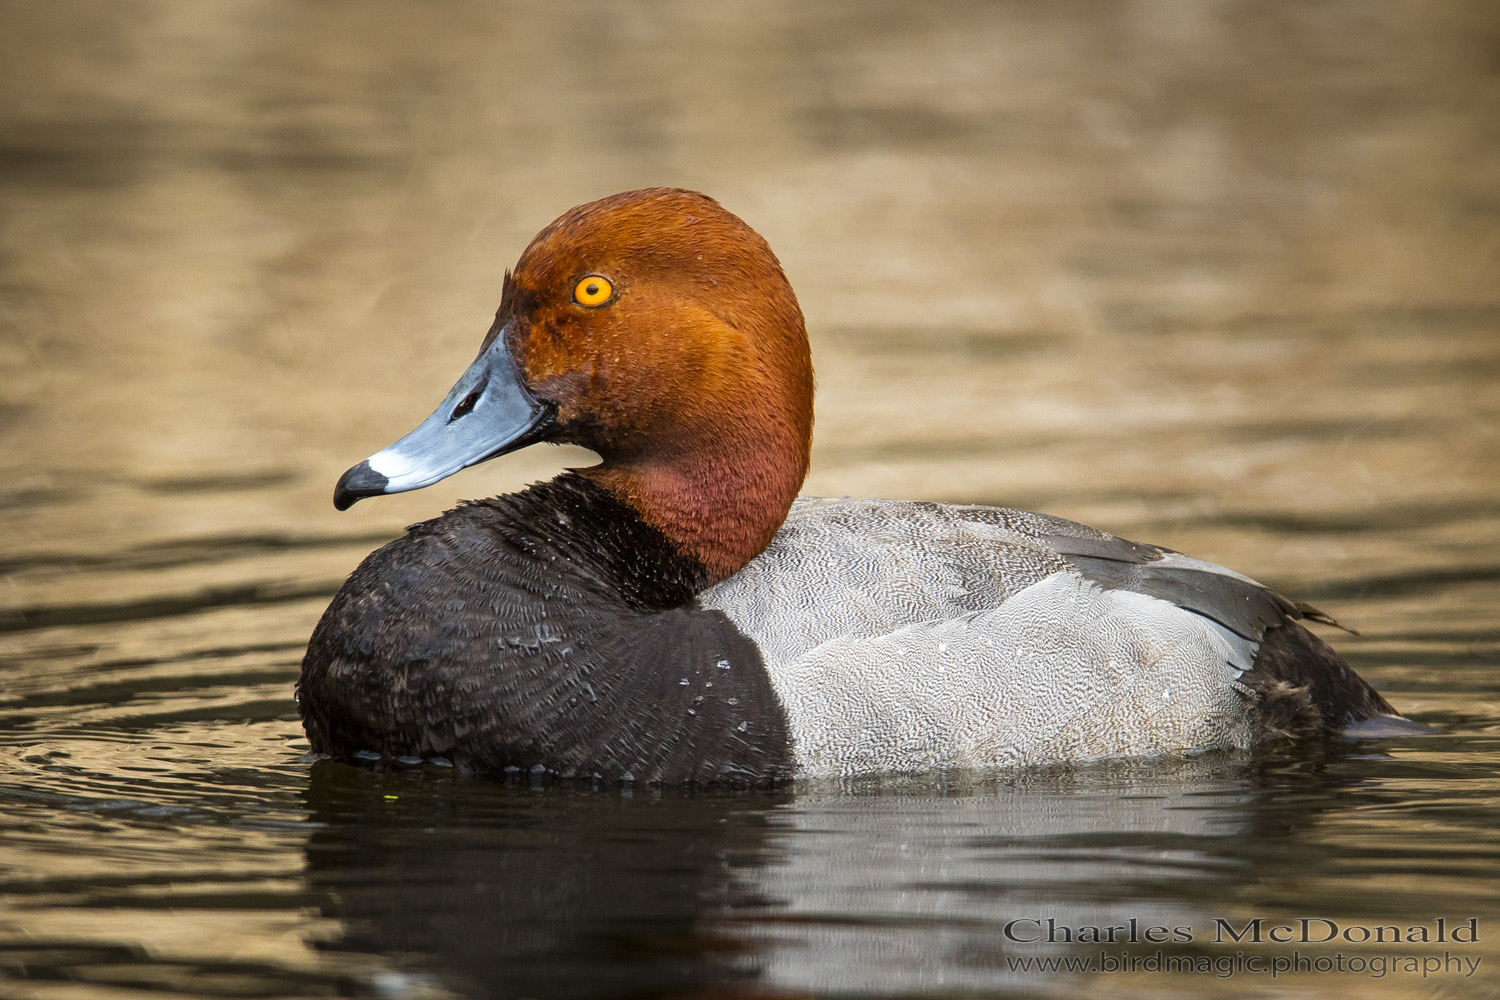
x=720, y=502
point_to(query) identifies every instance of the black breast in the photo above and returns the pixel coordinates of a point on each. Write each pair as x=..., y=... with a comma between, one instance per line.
x=550, y=629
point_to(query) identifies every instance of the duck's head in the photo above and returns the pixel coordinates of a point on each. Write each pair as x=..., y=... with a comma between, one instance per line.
x=658, y=330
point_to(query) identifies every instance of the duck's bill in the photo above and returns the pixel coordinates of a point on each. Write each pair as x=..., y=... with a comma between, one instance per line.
x=488, y=413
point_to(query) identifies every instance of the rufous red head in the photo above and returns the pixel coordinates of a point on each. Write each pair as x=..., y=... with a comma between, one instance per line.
x=658, y=330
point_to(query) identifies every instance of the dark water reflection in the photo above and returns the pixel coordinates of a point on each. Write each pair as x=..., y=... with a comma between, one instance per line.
x=894, y=886
x=1217, y=275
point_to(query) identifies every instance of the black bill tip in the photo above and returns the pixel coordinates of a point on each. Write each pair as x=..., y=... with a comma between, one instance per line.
x=356, y=484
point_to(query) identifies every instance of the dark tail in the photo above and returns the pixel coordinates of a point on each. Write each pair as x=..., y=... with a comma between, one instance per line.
x=1305, y=689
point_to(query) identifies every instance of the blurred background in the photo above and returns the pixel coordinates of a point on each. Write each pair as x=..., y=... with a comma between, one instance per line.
x=1215, y=274
x=1124, y=260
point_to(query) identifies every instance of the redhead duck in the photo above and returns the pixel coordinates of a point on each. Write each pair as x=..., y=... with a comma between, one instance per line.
x=676, y=614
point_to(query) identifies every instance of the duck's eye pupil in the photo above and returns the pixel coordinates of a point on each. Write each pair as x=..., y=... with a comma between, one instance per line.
x=591, y=290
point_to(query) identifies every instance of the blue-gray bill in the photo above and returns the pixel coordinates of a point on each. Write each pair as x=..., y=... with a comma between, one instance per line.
x=489, y=412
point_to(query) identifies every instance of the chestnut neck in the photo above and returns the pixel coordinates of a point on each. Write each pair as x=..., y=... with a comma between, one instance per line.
x=720, y=501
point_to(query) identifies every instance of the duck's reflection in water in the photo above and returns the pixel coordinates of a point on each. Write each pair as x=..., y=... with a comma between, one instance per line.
x=895, y=885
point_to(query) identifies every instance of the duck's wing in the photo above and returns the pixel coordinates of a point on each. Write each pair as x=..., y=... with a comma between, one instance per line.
x=1300, y=683
x=932, y=625
x=1238, y=603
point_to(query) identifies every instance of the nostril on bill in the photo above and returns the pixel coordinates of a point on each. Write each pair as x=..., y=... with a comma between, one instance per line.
x=468, y=404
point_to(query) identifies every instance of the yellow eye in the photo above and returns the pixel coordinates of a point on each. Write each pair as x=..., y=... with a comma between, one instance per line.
x=592, y=290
